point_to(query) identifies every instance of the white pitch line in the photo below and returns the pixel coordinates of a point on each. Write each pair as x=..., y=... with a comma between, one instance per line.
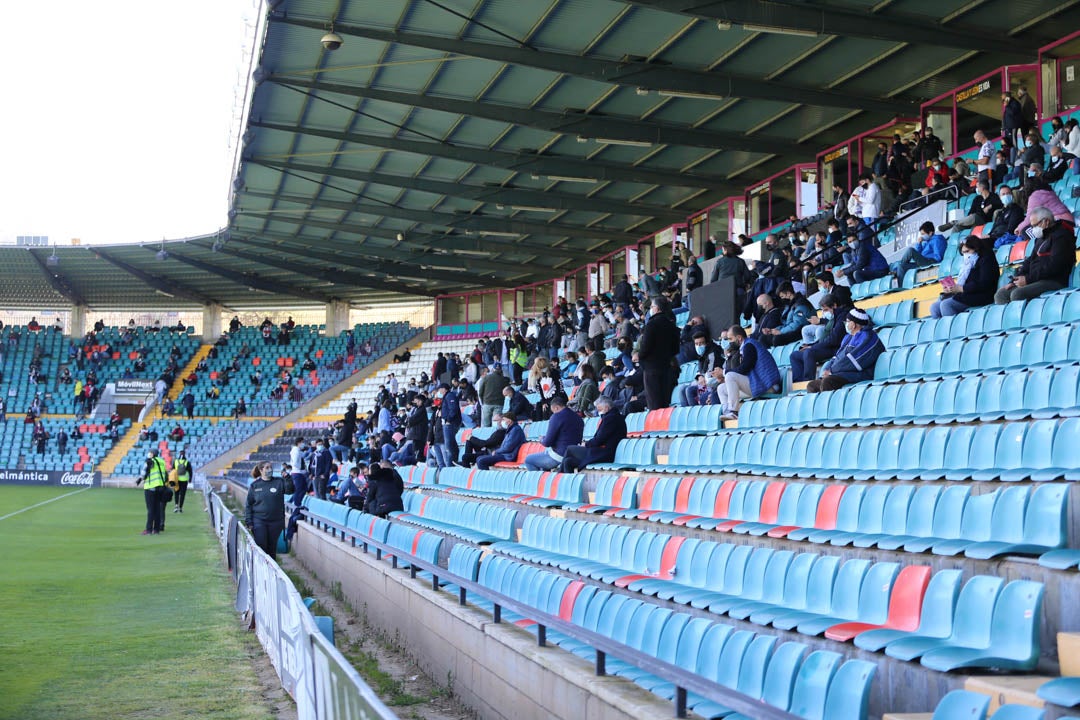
x=45, y=502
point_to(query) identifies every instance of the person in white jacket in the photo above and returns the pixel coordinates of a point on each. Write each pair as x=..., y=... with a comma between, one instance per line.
x=869, y=199
x=1072, y=147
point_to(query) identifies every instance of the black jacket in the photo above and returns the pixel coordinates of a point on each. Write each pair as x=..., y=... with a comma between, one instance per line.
x=659, y=343
x=601, y=448
x=385, y=487
x=623, y=293
x=417, y=426
x=694, y=277
x=266, y=500
x=1054, y=256
x=520, y=406
x=982, y=281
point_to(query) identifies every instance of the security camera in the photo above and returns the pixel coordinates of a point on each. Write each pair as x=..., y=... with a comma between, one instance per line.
x=331, y=41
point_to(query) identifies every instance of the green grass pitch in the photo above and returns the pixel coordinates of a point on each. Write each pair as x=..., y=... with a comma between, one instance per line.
x=98, y=621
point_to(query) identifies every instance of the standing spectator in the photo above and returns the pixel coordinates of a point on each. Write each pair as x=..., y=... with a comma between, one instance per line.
x=755, y=375
x=659, y=344
x=601, y=447
x=855, y=360
x=297, y=462
x=489, y=390
x=450, y=411
x=320, y=467
x=62, y=441
x=564, y=429
x=1048, y=267
x=984, y=159
x=869, y=199
x=264, y=510
x=188, y=402
x=1012, y=120
x=155, y=474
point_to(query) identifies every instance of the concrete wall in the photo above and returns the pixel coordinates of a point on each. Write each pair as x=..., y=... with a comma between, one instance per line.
x=497, y=670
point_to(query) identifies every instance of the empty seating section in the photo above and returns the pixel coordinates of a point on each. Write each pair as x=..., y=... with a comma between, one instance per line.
x=540, y=489
x=330, y=354
x=18, y=449
x=475, y=522
x=202, y=442
x=420, y=361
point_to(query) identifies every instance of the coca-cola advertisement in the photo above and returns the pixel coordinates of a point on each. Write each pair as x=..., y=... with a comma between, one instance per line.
x=50, y=477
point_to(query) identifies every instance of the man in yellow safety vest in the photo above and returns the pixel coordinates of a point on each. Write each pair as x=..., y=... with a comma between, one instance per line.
x=154, y=492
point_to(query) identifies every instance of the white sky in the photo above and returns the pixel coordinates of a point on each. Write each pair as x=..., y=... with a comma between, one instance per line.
x=116, y=116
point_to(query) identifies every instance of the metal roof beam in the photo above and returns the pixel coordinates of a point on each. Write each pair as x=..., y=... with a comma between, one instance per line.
x=522, y=162
x=505, y=194
x=164, y=285
x=827, y=19
x=567, y=122
x=251, y=281
x=57, y=281
x=465, y=221
x=454, y=242
x=339, y=277
x=375, y=261
x=631, y=73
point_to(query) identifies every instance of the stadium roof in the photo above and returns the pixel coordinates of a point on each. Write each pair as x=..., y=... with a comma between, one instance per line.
x=456, y=144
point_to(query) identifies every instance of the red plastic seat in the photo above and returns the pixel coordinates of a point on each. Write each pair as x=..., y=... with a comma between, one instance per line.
x=905, y=606
x=667, y=563
x=256, y=361
x=1018, y=252
x=319, y=354
x=525, y=450
x=828, y=504
x=645, y=496
x=770, y=502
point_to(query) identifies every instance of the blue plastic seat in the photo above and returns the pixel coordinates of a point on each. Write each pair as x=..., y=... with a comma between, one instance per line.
x=1065, y=454
x=870, y=604
x=842, y=600
x=812, y=684
x=1023, y=526
x=962, y=704
x=971, y=623
x=935, y=619
x=1018, y=712
x=1063, y=691
x=1013, y=642
x=849, y=691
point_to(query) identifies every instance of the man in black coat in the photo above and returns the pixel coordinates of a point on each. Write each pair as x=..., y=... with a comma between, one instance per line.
x=601, y=447
x=385, y=488
x=659, y=346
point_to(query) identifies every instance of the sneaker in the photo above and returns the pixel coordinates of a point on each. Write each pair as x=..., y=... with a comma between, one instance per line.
x=176, y=509
x=730, y=415
x=147, y=532
x=945, y=227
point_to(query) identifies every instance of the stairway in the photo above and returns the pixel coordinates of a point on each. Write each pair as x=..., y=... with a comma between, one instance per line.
x=177, y=389
x=112, y=458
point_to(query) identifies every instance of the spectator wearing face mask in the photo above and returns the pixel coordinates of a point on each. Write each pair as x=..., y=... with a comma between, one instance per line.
x=1041, y=195
x=1007, y=220
x=1047, y=268
x=586, y=392
x=793, y=318
x=508, y=450
x=755, y=375
x=708, y=355
x=867, y=262
x=975, y=283
x=565, y=428
x=855, y=359
x=982, y=210
x=928, y=251
x=804, y=361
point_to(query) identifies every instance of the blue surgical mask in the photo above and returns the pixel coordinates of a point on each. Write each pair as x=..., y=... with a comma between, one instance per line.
x=828, y=314
x=699, y=349
x=1029, y=143
x=1006, y=200
x=725, y=344
x=1031, y=173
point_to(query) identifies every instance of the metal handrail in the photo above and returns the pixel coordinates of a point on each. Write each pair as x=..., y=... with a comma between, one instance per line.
x=684, y=681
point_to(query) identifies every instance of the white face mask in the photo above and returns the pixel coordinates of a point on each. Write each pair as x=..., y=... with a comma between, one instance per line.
x=1036, y=232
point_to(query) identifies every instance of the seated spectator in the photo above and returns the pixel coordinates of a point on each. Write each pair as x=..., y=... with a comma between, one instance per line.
x=755, y=375
x=400, y=452
x=982, y=209
x=144, y=434
x=700, y=392
x=1033, y=152
x=475, y=446
x=565, y=428
x=708, y=355
x=867, y=262
x=976, y=282
x=351, y=491
x=768, y=314
x=928, y=251
x=804, y=361
x=385, y=488
x=177, y=433
x=1047, y=268
x=516, y=403
x=1040, y=195
x=794, y=317
x=1008, y=218
x=168, y=408
x=855, y=359
x=1057, y=166
x=508, y=449
x=584, y=395
x=402, y=358
x=601, y=447
x=240, y=409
